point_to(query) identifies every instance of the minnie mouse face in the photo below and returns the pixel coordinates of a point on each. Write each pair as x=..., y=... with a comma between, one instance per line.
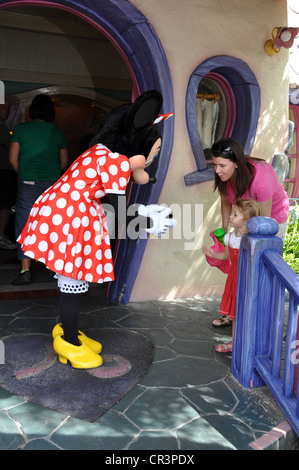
x=130, y=130
x=140, y=162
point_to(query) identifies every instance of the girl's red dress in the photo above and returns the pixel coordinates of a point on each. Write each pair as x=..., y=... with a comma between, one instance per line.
x=66, y=229
x=228, y=301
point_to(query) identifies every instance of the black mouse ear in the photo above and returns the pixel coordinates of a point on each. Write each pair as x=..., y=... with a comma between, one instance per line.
x=144, y=110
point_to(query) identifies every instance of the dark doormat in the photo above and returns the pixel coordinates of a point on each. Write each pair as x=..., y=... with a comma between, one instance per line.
x=32, y=370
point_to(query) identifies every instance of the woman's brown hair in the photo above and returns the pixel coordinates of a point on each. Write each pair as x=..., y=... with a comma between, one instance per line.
x=244, y=174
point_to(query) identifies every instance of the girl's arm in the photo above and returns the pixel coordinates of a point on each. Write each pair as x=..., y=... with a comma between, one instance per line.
x=226, y=209
x=212, y=254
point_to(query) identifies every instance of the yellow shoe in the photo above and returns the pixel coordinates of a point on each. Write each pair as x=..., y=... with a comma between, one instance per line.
x=80, y=357
x=91, y=343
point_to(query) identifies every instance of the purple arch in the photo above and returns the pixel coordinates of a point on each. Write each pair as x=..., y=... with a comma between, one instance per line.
x=136, y=40
x=246, y=90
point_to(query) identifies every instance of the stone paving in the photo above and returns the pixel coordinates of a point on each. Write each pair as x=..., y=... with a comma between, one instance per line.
x=188, y=400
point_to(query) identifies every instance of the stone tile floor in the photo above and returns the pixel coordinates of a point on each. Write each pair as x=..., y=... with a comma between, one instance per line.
x=188, y=400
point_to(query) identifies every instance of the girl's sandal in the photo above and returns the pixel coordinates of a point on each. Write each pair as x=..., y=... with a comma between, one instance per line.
x=222, y=322
x=224, y=348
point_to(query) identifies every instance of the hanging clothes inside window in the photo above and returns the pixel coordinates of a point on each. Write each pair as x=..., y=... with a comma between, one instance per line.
x=207, y=111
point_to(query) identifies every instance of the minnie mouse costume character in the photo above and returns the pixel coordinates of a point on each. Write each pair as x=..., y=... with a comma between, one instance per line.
x=66, y=228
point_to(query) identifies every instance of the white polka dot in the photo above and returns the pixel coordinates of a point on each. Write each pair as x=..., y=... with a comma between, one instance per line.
x=65, y=188
x=108, y=268
x=107, y=279
x=125, y=166
x=113, y=155
x=44, y=228
x=89, y=277
x=96, y=226
x=86, y=161
x=50, y=255
x=80, y=274
x=53, y=237
x=104, y=177
x=57, y=219
x=68, y=267
x=101, y=151
x=79, y=184
x=58, y=264
x=86, y=235
x=41, y=260
x=43, y=245
x=87, y=250
x=70, y=211
x=102, y=161
x=113, y=170
x=88, y=263
x=108, y=254
x=98, y=240
x=75, y=195
x=32, y=240
x=99, y=194
x=65, y=229
x=115, y=186
x=57, y=185
x=82, y=207
x=30, y=254
x=86, y=195
x=75, y=174
x=85, y=221
x=61, y=203
x=74, y=165
x=34, y=211
x=78, y=247
x=122, y=182
x=99, y=255
x=45, y=211
x=34, y=224
x=93, y=211
x=65, y=178
x=85, y=153
x=45, y=197
x=76, y=222
x=70, y=239
x=78, y=262
x=62, y=247
x=99, y=269
x=90, y=173
x=52, y=196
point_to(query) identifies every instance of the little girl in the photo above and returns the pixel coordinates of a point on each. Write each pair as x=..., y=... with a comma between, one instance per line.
x=242, y=211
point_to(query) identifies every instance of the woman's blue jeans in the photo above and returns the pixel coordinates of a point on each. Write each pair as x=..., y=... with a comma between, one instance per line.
x=28, y=192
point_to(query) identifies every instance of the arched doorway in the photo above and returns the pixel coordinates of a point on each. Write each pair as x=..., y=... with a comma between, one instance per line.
x=137, y=42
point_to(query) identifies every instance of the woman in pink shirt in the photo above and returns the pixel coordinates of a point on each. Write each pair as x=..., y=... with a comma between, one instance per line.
x=238, y=176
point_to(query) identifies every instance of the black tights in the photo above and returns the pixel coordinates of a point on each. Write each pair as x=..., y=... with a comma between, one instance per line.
x=69, y=307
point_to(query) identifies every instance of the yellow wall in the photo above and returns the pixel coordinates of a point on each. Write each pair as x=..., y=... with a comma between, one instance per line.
x=191, y=31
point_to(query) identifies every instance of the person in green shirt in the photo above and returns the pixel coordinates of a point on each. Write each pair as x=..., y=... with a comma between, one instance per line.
x=38, y=153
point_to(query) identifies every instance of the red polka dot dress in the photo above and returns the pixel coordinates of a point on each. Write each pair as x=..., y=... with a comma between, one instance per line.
x=66, y=229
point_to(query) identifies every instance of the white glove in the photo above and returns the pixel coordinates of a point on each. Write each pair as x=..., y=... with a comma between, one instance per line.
x=159, y=215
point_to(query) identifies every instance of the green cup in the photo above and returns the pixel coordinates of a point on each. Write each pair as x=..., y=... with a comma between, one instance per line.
x=219, y=234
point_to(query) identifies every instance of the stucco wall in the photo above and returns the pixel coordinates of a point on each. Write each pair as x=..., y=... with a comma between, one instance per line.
x=190, y=32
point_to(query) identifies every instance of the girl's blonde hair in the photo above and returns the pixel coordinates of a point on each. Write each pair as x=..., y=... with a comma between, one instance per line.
x=249, y=208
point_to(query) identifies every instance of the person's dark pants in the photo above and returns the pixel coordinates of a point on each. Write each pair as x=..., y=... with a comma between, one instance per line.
x=27, y=195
